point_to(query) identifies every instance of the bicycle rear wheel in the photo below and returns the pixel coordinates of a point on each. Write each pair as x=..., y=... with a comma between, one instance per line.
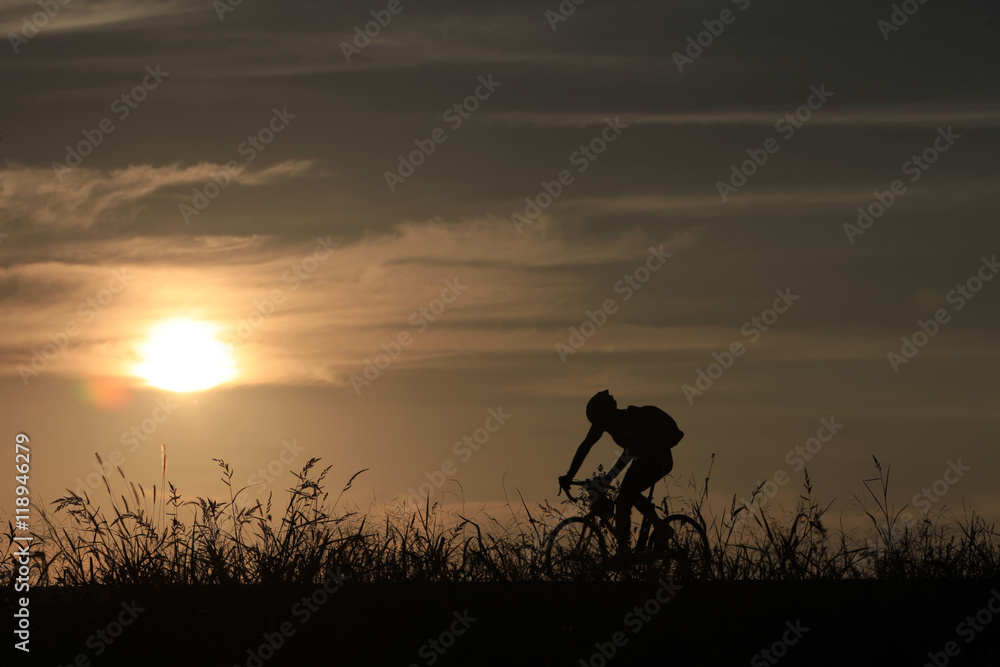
x=682, y=546
x=576, y=550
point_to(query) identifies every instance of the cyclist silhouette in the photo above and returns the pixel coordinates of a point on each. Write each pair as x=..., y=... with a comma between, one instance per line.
x=646, y=434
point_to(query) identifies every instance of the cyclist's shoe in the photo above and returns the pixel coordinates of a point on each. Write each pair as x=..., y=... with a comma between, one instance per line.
x=660, y=541
x=603, y=507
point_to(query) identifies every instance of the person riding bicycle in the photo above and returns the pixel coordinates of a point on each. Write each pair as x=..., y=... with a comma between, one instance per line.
x=646, y=434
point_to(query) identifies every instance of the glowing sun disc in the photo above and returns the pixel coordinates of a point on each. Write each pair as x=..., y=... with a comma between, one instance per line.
x=184, y=355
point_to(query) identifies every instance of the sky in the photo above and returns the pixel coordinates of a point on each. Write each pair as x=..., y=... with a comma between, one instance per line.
x=426, y=247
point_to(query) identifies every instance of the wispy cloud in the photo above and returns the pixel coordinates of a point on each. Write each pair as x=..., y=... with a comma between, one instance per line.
x=85, y=197
x=82, y=15
x=334, y=318
x=795, y=199
x=859, y=117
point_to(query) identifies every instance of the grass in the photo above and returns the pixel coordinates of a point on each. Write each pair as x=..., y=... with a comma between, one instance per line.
x=130, y=536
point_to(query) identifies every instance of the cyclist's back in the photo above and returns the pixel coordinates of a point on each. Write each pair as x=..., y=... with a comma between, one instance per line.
x=645, y=431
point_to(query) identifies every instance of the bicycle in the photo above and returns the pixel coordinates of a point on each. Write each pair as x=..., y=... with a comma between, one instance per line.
x=675, y=545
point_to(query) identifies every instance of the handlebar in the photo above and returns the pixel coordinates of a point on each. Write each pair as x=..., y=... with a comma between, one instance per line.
x=572, y=483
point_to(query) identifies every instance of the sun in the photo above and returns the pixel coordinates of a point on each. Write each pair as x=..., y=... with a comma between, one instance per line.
x=185, y=355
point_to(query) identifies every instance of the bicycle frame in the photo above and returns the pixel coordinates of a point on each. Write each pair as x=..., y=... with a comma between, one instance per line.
x=649, y=516
x=677, y=539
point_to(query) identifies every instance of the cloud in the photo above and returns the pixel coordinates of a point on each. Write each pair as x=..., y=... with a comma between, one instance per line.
x=856, y=117
x=329, y=319
x=297, y=320
x=777, y=201
x=84, y=197
x=82, y=15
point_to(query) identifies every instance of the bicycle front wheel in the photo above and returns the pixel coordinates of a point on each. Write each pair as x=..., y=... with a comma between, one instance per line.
x=576, y=550
x=683, y=547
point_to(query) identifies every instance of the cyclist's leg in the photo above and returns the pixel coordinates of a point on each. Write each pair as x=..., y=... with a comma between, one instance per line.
x=602, y=504
x=642, y=474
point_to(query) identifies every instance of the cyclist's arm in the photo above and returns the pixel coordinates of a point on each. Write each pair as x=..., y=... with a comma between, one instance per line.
x=593, y=435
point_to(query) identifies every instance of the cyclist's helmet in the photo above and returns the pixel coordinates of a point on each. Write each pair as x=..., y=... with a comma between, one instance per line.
x=599, y=406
